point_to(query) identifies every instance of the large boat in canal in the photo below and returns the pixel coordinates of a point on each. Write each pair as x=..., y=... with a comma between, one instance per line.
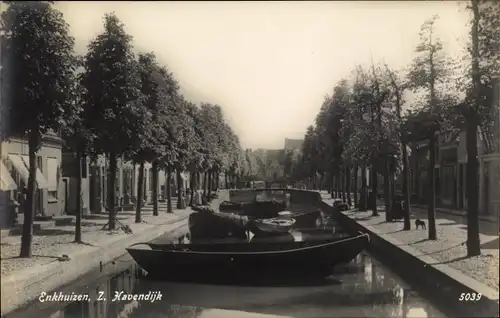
x=281, y=256
x=236, y=246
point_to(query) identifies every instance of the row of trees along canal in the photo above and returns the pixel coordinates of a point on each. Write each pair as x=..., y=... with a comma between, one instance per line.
x=363, y=125
x=107, y=102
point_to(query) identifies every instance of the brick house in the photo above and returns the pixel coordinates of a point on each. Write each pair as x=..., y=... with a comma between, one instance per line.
x=50, y=199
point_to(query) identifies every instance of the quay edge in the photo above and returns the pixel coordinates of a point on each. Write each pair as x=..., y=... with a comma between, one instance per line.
x=27, y=285
x=439, y=282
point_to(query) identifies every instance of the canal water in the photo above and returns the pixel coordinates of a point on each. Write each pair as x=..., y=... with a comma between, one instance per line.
x=362, y=288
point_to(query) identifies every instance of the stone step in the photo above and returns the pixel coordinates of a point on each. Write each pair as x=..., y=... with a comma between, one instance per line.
x=37, y=225
x=63, y=220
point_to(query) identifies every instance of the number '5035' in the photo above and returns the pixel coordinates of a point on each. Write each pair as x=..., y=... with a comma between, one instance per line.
x=470, y=296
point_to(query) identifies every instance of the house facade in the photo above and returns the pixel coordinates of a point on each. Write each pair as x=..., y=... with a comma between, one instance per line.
x=451, y=169
x=50, y=199
x=95, y=176
x=489, y=163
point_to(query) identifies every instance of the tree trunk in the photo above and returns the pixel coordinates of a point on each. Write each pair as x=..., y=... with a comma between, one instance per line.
x=29, y=209
x=334, y=183
x=205, y=181
x=338, y=186
x=387, y=193
x=342, y=185
x=417, y=178
x=140, y=192
x=180, y=189
x=473, y=242
x=217, y=181
x=78, y=221
x=330, y=184
x=169, y=189
x=374, y=184
x=155, y=187
x=214, y=181
x=209, y=182
x=192, y=185
x=431, y=212
x=112, y=191
x=225, y=180
x=364, y=190
x=406, y=188
x=348, y=186
x=406, y=166
x=355, y=192
x=392, y=189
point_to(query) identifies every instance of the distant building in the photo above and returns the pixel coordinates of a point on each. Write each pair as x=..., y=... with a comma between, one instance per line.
x=274, y=166
x=291, y=144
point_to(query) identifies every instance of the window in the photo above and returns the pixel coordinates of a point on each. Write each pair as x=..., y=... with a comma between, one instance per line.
x=52, y=175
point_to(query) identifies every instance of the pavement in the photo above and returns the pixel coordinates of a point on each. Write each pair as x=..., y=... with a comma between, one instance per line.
x=462, y=213
x=448, y=252
x=24, y=279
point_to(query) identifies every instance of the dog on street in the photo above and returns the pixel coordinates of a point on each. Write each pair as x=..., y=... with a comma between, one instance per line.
x=420, y=223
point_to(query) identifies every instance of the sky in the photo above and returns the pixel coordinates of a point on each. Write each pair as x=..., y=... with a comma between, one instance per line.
x=269, y=64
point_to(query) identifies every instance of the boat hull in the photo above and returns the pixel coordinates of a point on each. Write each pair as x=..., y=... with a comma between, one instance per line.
x=248, y=261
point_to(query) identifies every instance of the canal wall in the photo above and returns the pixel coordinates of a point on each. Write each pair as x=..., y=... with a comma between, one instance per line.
x=26, y=286
x=437, y=281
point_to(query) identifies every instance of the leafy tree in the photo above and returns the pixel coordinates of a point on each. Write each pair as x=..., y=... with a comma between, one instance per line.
x=398, y=88
x=113, y=86
x=196, y=152
x=157, y=85
x=211, y=120
x=186, y=144
x=235, y=165
x=37, y=73
x=78, y=140
x=337, y=133
x=484, y=48
x=371, y=139
x=288, y=164
x=429, y=74
x=309, y=155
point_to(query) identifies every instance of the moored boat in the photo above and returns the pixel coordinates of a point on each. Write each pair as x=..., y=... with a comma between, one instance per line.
x=247, y=260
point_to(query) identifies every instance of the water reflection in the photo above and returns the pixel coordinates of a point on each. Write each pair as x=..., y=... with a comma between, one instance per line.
x=402, y=304
x=363, y=288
